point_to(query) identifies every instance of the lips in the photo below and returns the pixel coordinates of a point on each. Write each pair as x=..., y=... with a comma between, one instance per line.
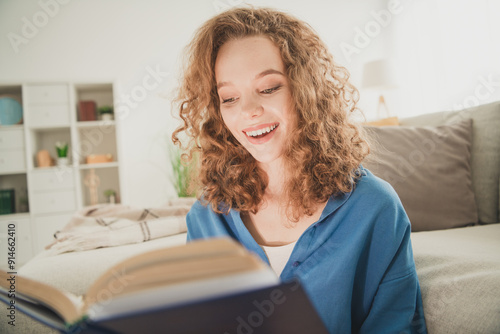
x=261, y=133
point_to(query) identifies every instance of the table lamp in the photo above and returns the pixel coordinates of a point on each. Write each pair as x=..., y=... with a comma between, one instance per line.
x=378, y=75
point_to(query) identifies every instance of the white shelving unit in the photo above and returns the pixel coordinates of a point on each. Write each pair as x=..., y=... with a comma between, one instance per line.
x=47, y=197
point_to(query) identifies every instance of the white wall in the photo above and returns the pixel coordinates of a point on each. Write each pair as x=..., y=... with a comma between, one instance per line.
x=447, y=53
x=126, y=40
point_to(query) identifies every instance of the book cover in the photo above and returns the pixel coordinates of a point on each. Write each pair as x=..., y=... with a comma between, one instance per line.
x=284, y=308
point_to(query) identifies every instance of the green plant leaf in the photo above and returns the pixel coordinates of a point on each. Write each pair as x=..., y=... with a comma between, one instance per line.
x=182, y=172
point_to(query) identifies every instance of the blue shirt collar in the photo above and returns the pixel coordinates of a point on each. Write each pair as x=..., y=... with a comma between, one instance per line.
x=239, y=228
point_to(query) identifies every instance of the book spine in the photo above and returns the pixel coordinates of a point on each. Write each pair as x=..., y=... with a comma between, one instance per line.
x=87, y=111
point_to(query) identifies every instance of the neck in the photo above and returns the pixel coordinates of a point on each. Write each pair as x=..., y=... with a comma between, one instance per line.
x=276, y=174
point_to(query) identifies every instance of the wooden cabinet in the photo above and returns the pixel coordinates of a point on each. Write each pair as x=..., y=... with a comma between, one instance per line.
x=47, y=197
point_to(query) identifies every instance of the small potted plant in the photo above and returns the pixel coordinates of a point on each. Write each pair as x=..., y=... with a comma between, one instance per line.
x=62, y=153
x=106, y=113
x=110, y=195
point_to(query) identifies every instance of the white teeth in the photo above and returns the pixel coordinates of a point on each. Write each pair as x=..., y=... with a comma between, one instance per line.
x=261, y=131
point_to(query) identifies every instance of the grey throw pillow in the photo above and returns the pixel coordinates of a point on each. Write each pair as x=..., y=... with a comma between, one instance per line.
x=430, y=169
x=485, y=152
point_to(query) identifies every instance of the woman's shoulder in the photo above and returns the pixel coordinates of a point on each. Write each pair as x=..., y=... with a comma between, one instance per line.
x=197, y=205
x=203, y=222
x=377, y=198
x=369, y=185
x=203, y=212
x=201, y=207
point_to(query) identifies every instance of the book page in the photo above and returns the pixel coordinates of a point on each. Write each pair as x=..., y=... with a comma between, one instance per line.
x=67, y=305
x=183, y=293
x=127, y=273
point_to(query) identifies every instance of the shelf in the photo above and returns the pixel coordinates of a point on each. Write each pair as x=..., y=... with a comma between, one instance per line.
x=93, y=87
x=18, y=183
x=102, y=179
x=21, y=171
x=100, y=94
x=81, y=166
x=52, y=168
x=11, y=127
x=99, y=165
x=49, y=128
x=46, y=139
x=11, y=89
x=15, y=92
x=15, y=216
x=94, y=124
x=42, y=199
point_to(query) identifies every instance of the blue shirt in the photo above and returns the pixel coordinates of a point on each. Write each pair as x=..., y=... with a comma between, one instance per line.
x=355, y=263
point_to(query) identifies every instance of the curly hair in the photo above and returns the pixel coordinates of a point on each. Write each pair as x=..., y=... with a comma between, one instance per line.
x=324, y=155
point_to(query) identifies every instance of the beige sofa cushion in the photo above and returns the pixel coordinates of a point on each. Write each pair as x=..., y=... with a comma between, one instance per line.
x=459, y=274
x=485, y=152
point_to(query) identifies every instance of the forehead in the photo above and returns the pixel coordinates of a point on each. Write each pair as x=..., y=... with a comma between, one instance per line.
x=247, y=56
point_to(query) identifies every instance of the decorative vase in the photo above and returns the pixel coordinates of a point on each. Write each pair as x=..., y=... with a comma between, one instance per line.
x=62, y=161
x=107, y=117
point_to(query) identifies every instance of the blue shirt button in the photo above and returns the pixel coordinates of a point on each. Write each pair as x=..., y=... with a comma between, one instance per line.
x=296, y=264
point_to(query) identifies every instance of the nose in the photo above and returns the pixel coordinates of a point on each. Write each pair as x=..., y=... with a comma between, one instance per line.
x=252, y=108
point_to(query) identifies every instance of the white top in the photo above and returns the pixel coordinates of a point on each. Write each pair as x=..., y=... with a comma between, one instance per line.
x=278, y=256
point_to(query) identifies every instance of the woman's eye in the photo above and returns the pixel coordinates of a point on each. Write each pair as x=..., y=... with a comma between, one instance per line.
x=229, y=100
x=271, y=90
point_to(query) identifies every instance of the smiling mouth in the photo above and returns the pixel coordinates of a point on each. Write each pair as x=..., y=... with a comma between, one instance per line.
x=261, y=132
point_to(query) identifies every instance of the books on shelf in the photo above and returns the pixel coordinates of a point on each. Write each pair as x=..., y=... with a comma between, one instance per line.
x=87, y=111
x=7, y=201
x=206, y=286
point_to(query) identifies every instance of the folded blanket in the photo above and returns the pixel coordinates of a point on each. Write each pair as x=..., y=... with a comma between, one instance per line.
x=107, y=225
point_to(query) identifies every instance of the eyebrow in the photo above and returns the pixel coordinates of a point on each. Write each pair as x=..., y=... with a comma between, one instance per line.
x=258, y=76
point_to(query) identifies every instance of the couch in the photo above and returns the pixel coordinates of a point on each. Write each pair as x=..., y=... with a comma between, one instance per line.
x=445, y=168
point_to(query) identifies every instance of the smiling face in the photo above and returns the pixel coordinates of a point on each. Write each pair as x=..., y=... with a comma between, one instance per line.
x=255, y=97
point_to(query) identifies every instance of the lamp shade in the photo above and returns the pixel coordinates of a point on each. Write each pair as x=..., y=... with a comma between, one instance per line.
x=378, y=74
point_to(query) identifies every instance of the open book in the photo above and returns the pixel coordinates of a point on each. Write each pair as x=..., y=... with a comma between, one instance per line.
x=206, y=286
x=165, y=277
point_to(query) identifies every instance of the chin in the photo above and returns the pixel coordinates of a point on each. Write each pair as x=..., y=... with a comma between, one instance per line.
x=265, y=158
x=263, y=154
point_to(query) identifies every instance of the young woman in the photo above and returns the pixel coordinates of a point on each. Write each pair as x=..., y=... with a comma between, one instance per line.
x=268, y=110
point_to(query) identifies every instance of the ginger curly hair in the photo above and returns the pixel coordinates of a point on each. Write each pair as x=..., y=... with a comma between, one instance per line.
x=324, y=155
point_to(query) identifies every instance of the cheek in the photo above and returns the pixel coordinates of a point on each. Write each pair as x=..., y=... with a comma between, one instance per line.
x=230, y=122
x=287, y=113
